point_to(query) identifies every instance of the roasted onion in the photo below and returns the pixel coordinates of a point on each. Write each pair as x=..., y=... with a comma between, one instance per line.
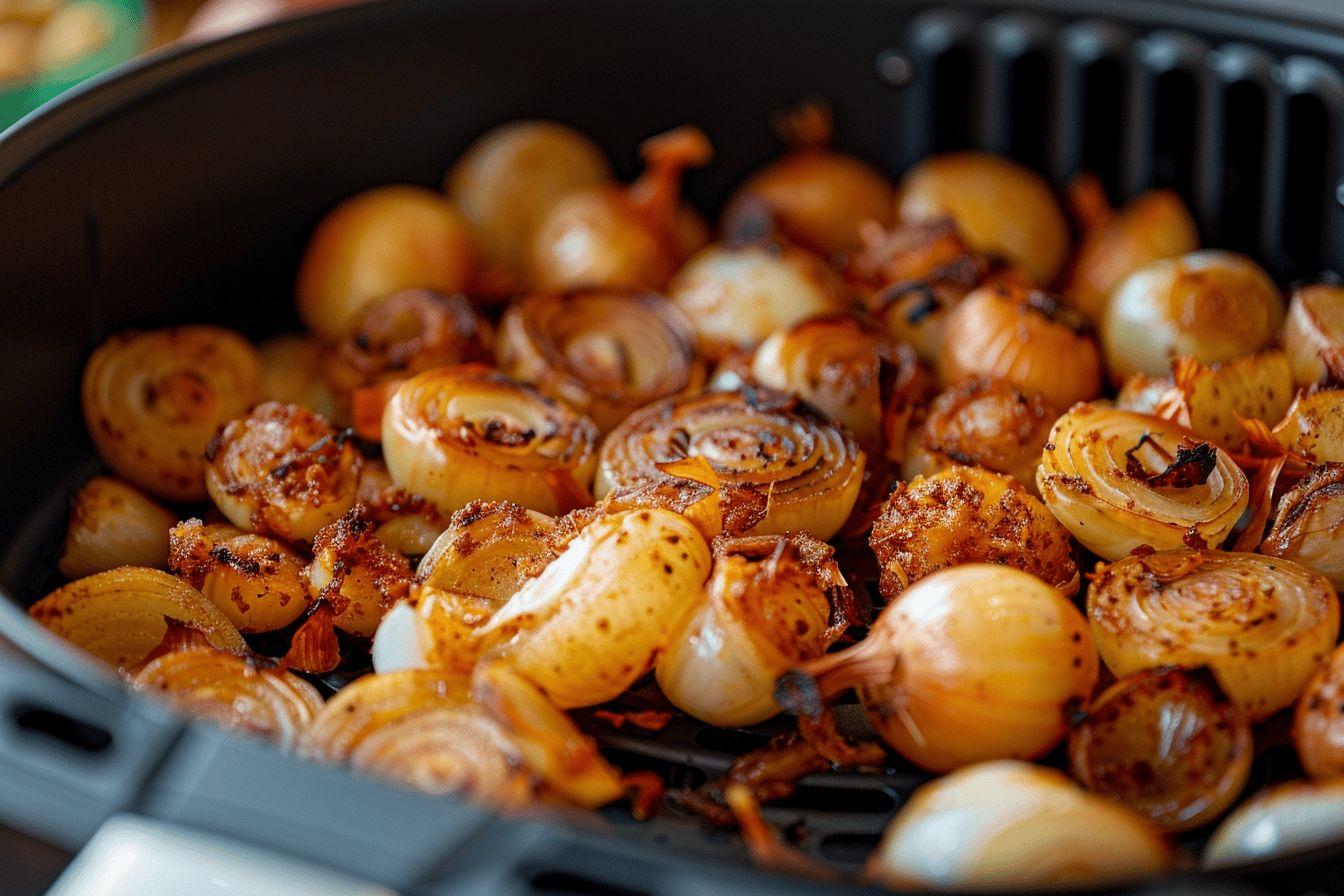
x=1260, y=624
x=379, y=242
x=490, y=549
x=356, y=573
x=1313, y=425
x=257, y=582
x=239, y=693
x=968, y=515
x=407, y=523
x=291, y=373
x=370, y=703
x=1212, y=306
x=1119, y=480
x=1314, y=325
x=1318, y=725
x=971, y=663
x=434, y=628
x=783, y=466
x=282, y=470
x=153, y=399
x=1025, y=338
x=1006, y=825
x=1165, y=743
x=602, y=352
x=1286, y=819
x=1309, y=528
x=1213, y=399
x=999, y=207
x=121, y=615
x=458, y=434
x=111, y=525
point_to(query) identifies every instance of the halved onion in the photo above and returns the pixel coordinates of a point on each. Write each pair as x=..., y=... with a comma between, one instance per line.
x=794, y=468
x=1313, y=426
x=602, y=352
x=291, y=373
x=1318, y=724
x=772, y=602
x=1260, y=624
x=968, y=515
x=1119, y=480
x=1212, y=306
x=239, y=693
x=1286, y=819
x=112, y=524
x=371, y=703
x=1314, y=324
x=376, y=243
x=1309, y=527
x=999, y=207
x=1165, y=743
x=1008, y=825
x=282, y=470
x=460, y=434
x=356, y=573
x=490, y=549
x=154, y=399
x=256, y=582
x=971, y=663
x=121, y=615
x=1213, y=399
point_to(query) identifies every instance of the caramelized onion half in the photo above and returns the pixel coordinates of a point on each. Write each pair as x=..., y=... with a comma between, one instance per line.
x=1314, y=325
x=257, y=582
x=459, y=434
x=1260, y=624
x=1167, y=744
x=1309, y=528
x=1313, y=426
x=111, y=525
x=154, y=399
x=356, y=573
x=121, y=615
x=1318, y=725
x=985, y=423
x=1119, y=480
x=369, y=704
x=1281, y=821
x=794, y=469
x=603, y=353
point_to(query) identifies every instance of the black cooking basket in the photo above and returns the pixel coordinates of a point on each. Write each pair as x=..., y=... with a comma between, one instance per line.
x=184, y=188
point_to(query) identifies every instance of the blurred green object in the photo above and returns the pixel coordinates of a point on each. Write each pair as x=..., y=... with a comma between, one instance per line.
x=130, y=33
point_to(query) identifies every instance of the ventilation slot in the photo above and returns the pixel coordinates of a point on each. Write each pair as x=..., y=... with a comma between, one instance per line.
x=851, y=800
x=953, y=85
x=849, y=849
x=1175, y=116
x=1245, y=121
x=558, y=883
x=1306, y=189
x=1103, y=121
x=55, y=726
x=1029, y=125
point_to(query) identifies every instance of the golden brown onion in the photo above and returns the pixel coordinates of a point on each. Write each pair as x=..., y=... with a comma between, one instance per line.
x=490, y=549
x=999, y=207
x=154, y=399
x=1260, y=624
x=407, y=523
x=1167, y=744
x=737, y=295
x=356, y=573
x=434, y=628
x=242, y=694
x=121, y=615
x=376, y=243
x=282, y=470
x=602, y=352
x=971, y=663
x=369, y=704
x=460, y=434
x=1119, y=480
x=1213, y=399
x=1313, y=426
x=1286, y=819
x=1309, y=528
x=1025, y=338
x=1318, y=724
x=111, y=525
x=783, y=466
x=1007, y=825
x=1212, y=306
x=291, y=373
x=256, y=582
x=1314, y=324
x=968, y=515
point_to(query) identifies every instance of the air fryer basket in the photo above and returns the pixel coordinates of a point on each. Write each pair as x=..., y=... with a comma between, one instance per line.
x=184, y=188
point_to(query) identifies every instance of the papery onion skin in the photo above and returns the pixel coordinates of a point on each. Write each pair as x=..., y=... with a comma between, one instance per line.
x=1285, y=819
x=120, y=615
x=465, y=433
x=282, y=470
x=1309, y=526
x=1318, y=723
x=1008, y=825
x=291, y=373
x=602, y=352
x=985, y=423
x=368, y=704
x=737, y=295
x=374, y=244
x=1083, y=479
x=999, y=207
x=154, y=399
x=112, y=524
x=769, y=605
x=788, y=467
x=509, y=178
x=1210, y=305
x=1260, y=624
x=596, y=618
x=968, y=515
x=1313, y=426
x=238, y=693
x=490, y=549
x=257, y=582
x=356, y=573
x=1166, y=744
x=1024, y=338
x=1314, y=324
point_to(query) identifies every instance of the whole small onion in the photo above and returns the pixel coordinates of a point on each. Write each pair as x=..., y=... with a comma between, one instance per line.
x=1315, y=324
x=1211, y=306
x=1318, y=725
x=1025, y=338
